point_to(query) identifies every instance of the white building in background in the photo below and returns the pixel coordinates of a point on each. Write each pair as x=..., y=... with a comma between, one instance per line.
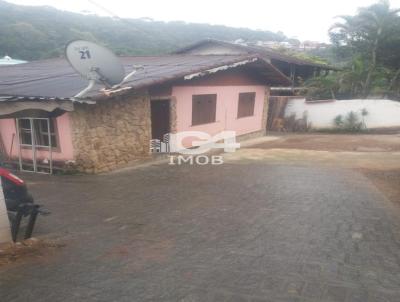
x=381, y=113
x=7, y=60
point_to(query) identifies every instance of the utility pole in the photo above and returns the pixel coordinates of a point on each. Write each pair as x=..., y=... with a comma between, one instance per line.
x=5, y=231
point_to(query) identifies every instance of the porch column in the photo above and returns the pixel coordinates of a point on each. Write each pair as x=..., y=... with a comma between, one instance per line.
x=264, y=121
x=173, y=114
x=292, y=74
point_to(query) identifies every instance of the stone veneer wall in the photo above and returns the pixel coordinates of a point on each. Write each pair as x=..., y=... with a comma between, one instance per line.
x=111, y=132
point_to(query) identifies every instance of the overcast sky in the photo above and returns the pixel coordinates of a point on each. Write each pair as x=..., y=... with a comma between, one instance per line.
x=305, y=20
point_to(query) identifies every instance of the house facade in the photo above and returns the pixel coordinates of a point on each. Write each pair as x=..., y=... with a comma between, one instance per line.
x=111, y=128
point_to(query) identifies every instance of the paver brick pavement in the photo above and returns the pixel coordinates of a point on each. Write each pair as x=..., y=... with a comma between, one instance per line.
x=244, y=231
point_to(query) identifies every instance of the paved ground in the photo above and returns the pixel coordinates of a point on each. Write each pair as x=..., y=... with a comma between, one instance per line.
x=375, y=156
x=253, y=229
x=336, y=142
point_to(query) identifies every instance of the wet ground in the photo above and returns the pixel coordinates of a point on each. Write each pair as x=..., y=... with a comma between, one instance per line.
x=377, y=156
x=336, y=142
x=267, y=225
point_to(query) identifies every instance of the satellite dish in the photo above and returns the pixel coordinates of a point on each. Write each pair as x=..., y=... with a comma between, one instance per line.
x=97, y=64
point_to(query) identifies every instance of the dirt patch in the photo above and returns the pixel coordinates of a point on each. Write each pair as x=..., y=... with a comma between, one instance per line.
x=388, y=182
x=11, y=253
x=336, y=142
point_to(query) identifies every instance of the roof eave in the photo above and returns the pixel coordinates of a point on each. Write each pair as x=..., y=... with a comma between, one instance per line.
x=201, y=72
x=251, y=49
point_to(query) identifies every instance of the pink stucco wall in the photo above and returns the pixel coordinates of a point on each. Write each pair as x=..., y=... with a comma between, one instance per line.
x=63, y=152
x=226, y=111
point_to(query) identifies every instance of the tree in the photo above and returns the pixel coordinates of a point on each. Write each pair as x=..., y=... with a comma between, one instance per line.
x=41, y=32
x=372, y=37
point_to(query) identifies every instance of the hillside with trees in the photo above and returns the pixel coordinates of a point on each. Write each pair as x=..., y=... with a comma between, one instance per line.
x=370, y=43
x=31, y=33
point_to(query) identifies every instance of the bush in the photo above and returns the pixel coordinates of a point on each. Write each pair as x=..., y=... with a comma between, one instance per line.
x=352, y=122
x=338, y=121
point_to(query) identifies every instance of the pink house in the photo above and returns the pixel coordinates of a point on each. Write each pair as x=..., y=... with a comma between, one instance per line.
x=110, y=128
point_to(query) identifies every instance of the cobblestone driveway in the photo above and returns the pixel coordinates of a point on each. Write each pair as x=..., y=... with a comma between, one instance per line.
x=245, y=231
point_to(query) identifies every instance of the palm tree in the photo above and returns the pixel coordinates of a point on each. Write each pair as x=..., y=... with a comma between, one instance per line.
x=367, y=32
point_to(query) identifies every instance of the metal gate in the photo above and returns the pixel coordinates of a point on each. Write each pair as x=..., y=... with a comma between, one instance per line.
x=34, y=136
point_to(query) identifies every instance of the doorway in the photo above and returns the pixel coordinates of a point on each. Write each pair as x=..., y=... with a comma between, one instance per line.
x=160, y=119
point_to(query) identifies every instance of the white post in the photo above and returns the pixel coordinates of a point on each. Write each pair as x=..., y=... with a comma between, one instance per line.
x=5, y=231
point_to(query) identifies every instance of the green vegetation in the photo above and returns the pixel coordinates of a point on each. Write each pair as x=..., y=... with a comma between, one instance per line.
x=306, y=56
x=41, y=32
x=352, y=122
x=370, y=41
x=323, y=87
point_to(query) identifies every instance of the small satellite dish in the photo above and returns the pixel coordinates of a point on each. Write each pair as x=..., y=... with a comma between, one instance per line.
x=97, y=64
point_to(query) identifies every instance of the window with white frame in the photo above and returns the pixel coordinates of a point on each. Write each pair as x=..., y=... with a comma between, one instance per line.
x=40, y=132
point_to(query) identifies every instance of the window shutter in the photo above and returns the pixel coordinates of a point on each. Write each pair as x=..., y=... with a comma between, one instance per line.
x=246, y=104
x=204, y=108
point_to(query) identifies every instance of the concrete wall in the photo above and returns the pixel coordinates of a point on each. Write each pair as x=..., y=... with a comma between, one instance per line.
x=382, y=113
x=63, y=152
x=110, y=133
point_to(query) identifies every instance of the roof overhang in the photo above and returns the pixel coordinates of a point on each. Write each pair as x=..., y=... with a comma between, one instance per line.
x=262, y=51
x=12, y=107
x=217, y=69
x=272, y=76
x=58, y=84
